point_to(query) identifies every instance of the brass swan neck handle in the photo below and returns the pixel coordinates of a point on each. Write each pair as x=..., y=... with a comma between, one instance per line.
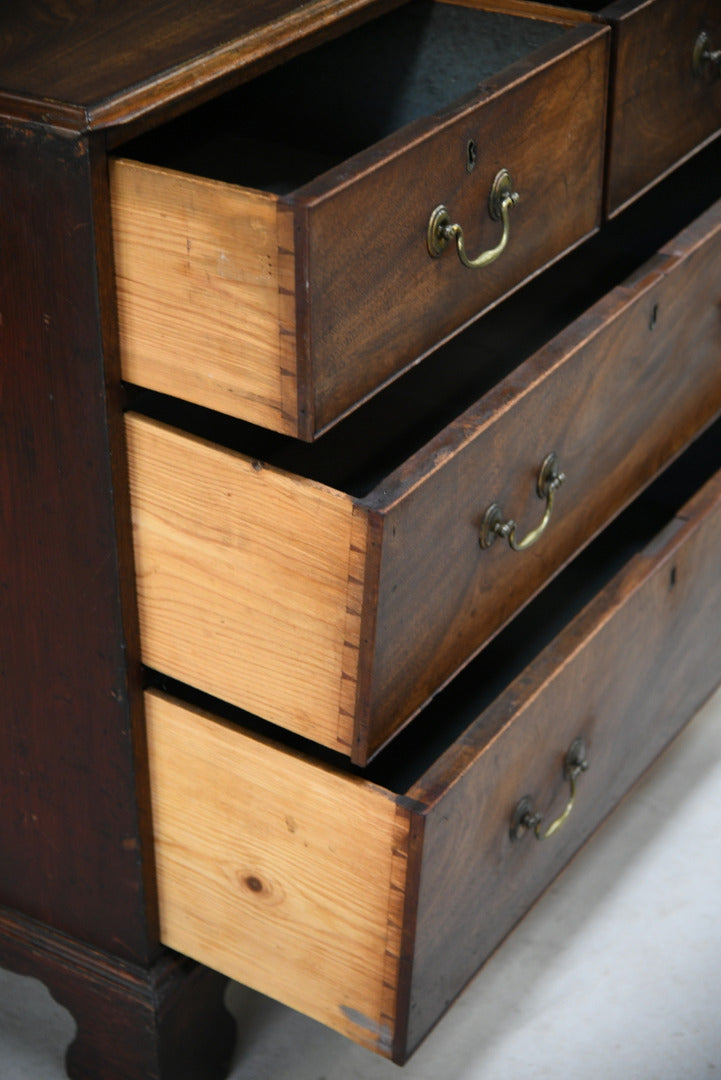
x=441, y=230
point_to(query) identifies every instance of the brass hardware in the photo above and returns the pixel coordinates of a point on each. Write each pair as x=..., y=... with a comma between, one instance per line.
x=525, y=818
x=548, y=482
x=703, y=55
x=441, y=230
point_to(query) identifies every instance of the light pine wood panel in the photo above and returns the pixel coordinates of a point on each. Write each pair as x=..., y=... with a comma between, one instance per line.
x=206, y=292
x=277, y=871
x=304, y=882
x=249, y=580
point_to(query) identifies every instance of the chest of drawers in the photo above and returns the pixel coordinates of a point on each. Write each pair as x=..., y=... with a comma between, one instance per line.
x=361, y=489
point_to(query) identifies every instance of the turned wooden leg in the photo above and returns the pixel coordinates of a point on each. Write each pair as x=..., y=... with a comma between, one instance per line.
x=167, y=1022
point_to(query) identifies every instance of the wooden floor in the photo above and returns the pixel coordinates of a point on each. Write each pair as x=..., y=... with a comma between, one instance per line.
x=616, y=972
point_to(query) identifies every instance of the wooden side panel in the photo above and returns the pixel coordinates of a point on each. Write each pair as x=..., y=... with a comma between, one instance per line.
x=248, y=581
x=660, y=110
x=74, y=841
x=282, y=874
x=625, y=675
x=634, y=379
x=206, y=293
x=376, y=294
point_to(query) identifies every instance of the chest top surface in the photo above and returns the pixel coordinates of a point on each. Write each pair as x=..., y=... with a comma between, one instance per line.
x=93, y=63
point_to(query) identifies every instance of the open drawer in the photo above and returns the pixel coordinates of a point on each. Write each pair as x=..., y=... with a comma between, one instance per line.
x=272, y=249
x=333, y=588
x=368, y=902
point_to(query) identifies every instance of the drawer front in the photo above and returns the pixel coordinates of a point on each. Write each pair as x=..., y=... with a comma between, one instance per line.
x=369, y=909
x=624, y=676
x=663, y=107
x=615, y=396
x=339, y=617
x=377, y=295
x=288, y=310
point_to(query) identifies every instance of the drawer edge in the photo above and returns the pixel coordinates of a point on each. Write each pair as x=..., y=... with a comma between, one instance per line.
x=669, y=592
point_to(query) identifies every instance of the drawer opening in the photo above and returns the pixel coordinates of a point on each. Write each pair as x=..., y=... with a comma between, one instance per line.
x=339, y=546
x=284, y=128
x=274, y=249
x=403, y=762
x=415, y=408
x=370, y=910
x=638, y=528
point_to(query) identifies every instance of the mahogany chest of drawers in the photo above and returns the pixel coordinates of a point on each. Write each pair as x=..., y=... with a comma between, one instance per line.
x=361, y=488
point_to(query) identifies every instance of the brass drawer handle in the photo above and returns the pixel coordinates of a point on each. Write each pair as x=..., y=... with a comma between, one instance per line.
x=703, y=55
x=441, y=230
x=526, y=818
x=548, y=483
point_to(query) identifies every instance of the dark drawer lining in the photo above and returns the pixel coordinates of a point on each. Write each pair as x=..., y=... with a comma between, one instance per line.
x=284, y=128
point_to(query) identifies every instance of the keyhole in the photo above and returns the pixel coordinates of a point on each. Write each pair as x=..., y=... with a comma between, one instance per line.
x=471, y=155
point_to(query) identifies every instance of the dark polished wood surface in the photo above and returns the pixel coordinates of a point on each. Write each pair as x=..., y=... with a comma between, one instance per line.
x=660, y=110
x=108, y=60
x=624, y=675
x=76, y=864
x=440, y=596
x=75, y=845
x=353, y=309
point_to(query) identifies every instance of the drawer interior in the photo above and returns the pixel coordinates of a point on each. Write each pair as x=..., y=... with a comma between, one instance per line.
x=383, y=893
x=281, y=130
x=358, y=453
x=412, y=752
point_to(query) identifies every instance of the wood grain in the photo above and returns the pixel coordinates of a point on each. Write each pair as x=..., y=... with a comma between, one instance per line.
x=248, y=581
x=206, y=287
x=120, y=60
x=528, y=9
x=413, y=604
x=208, y=307
x=626, y=675
x=278, y=872
x=559, y=93
x=310, y=884
x=660, y=112
x=440, y=596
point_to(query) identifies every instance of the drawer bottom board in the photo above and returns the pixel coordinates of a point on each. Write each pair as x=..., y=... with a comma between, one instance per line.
x=369, y=908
